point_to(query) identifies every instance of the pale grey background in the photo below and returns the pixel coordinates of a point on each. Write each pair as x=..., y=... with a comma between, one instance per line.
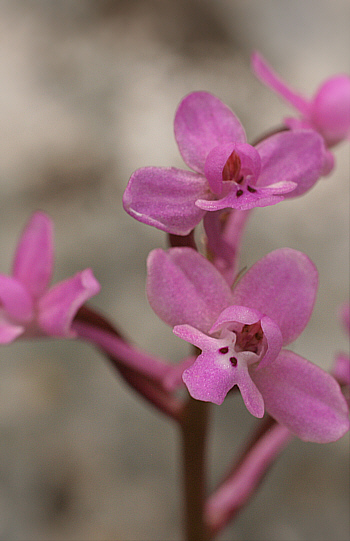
x=88, y=94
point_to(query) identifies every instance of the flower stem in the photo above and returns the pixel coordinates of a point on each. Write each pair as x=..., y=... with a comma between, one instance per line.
x=232, y=235
x=246, y=475
x=124, y=353
x=144, y=373
x=163, y=401
x=224, y=231
x=194, y=425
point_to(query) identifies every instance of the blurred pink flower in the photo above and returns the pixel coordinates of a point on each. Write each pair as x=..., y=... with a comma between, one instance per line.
x=28, y=307
x=328, y=112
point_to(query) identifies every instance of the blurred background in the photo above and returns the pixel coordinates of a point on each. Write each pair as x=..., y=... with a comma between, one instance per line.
x=88, y=94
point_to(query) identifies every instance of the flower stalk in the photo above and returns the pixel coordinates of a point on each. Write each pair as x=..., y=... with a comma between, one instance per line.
x=244, y=478
x=144, y=373
x=194, y=429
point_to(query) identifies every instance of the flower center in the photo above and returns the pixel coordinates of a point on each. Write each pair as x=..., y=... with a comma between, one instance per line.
x=250, y=338
x=232, y=168
x=247, y=345
x=232, y=171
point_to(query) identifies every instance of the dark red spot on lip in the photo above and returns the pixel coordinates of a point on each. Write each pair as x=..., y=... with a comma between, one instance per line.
x=251, y=190
x=233, y=361
x=223, y=350
x=239, y=193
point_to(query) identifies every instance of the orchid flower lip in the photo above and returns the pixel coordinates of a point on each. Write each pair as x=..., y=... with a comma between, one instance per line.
x=241, y=335
x=226, y=172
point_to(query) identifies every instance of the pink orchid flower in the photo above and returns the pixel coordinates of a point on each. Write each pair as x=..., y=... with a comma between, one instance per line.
x=227, y=171
x=28, y=307
x=328, y=112
x=241, y=334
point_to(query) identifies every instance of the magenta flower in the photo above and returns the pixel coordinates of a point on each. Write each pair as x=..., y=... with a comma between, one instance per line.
x=328, y=112
x=28, y=307
x=227, y=172
x=241, y=334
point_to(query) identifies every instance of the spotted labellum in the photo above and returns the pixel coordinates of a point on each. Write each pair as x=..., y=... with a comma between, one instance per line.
x=242, y=335
x=227, y=172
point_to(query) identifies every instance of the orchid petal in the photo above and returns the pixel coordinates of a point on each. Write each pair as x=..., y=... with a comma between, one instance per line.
x=15, y=299
x=304, y=398
x=207, y=380
x=303, y=124
x=240, y=198
x=236, y=314
x=328, y=163
x=269, y=77
x=247, y=316
x=164, y=197
x=33, y=261
x=214, y=165
x=213, y=374
x=248, y=160
x=184, y=287
x=59, y=305
x=295, y=123
x=251, y=395
x=341, y=369
x=199, y=339
x=330, y=110
x=9, y=332
x=283, y=286
x=202, y=122
x=296, y=156
x=274, y=341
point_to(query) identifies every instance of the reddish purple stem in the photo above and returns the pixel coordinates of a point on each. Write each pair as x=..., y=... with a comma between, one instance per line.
x=142, y=372
x=242, y=482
